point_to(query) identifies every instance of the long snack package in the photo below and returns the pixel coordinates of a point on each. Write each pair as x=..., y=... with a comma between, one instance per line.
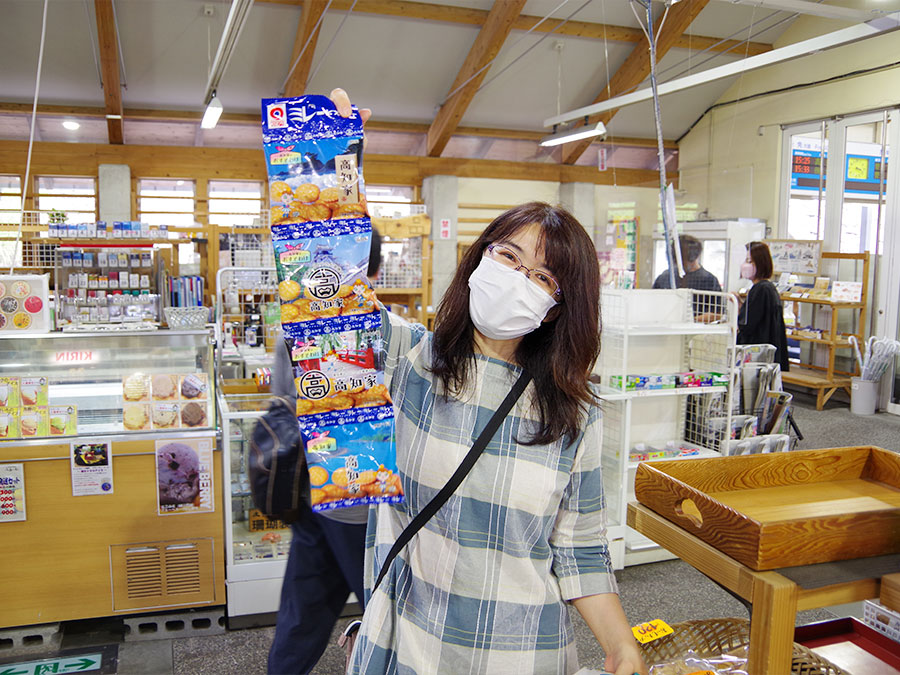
x=321, y=234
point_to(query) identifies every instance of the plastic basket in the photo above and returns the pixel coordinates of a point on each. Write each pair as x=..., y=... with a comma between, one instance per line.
x=186, y=318
x=713, y=637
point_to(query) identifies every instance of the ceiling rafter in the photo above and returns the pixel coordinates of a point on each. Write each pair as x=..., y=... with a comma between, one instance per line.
x=192, y=116
x=636, y=67
x=109, y=69
x=307, y=32
x=490, y=39
x=477, y=17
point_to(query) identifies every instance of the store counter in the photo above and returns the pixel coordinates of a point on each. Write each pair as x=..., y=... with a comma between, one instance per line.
x=110, y=479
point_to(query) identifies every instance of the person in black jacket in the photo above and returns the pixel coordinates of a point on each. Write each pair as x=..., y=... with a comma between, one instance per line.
x=761, y=317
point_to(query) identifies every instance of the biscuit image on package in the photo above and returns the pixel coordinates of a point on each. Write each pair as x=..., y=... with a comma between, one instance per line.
x=280, y=191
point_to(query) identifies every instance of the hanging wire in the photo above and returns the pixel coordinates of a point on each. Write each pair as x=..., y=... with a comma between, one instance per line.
x=305, y=45
x=740, y=83
x=90, y=22
x=608, y=84
x=513, y=46
x=331, y=42
x=124, y=82
x=37, y=89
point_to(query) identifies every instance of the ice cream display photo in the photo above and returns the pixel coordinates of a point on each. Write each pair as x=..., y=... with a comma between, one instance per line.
x=184, y=476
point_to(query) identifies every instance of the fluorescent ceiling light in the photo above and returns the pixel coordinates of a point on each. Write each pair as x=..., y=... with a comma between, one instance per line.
x=212, y=114
x=863, y=31
x=576, y=134
x=814, y=9
x=113, y=117
x=234, y=24
x=71, y=125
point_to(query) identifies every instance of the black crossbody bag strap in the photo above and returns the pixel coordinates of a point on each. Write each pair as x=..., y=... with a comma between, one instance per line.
x=465, y=466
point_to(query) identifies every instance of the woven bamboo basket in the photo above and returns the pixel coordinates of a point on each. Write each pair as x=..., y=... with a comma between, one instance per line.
x=713, y=637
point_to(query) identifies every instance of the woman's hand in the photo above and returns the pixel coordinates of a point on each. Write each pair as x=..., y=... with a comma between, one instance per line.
x=341, y=100
x=625, y=659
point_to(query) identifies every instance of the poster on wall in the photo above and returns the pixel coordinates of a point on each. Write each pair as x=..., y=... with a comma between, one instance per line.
x=91, y=469
x=12, y=492
x=795, y=256
x=184, y=476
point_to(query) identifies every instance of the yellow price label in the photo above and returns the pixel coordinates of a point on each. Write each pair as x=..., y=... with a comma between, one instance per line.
x=702, y=672
x=651, y=630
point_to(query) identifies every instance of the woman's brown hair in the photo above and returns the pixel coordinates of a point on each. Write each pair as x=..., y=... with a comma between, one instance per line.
x=560, y=353
x=762, y=259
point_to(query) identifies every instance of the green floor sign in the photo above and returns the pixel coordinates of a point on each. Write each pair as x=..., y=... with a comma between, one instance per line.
x=83, y=663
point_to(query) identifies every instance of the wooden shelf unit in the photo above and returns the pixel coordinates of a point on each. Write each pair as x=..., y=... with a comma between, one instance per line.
x=415, y=299
x=826, y=380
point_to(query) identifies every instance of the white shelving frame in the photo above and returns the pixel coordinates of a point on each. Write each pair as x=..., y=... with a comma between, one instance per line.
x=660, y=332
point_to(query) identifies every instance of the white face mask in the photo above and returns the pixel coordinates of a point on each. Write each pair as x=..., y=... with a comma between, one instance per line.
x=503, y=303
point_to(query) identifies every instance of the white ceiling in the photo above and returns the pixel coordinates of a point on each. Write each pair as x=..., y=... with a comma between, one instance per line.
x=402, y=68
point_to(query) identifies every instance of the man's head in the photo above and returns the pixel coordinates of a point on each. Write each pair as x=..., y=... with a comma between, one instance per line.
x=691, y=249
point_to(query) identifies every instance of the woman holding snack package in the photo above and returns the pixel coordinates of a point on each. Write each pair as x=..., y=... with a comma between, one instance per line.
x=484, y=586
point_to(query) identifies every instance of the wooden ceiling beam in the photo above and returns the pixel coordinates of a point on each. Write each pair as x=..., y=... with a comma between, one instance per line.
x=191, y=117
x=109, y=69
x=307, y=32
x=473, y=71
x=477, y=17
x=636, y=67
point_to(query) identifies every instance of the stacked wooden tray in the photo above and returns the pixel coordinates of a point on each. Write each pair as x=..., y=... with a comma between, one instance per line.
x=783, y=509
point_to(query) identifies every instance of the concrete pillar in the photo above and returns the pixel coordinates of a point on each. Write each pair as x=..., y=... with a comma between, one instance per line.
x=578, y=199
x=441, y=195
x=114, y=191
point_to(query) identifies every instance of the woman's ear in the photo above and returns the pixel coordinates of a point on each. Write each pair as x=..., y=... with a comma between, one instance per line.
x=553, y=314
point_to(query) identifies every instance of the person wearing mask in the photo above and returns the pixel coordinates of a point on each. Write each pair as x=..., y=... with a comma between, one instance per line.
x=697, y=278
x=486, y=584
x=327, y=554
x=761, y=317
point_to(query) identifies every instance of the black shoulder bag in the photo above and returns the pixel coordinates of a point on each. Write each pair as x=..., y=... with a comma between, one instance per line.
x=349, y=636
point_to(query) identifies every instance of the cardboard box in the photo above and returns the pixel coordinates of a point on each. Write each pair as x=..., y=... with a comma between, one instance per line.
x=882, y=619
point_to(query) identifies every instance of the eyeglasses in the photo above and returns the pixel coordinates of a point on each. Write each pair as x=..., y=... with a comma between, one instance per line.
x=509, y=258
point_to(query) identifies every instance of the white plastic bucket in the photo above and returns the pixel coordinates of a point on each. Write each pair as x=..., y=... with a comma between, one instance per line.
x=863, y=397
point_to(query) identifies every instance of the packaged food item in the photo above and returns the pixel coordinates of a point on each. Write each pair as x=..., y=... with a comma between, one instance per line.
x=314, y=160
x=63, y=420
x=322, y=275
x=321, y=235
x=351, y=464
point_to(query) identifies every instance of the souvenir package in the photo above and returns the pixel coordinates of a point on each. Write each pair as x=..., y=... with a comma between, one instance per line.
x=321, y=234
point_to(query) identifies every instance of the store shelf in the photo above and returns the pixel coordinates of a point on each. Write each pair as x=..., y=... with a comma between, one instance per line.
x=789, y=297
x=818, y=341
x=805, y=377
x=610, y=394
x=656, y=330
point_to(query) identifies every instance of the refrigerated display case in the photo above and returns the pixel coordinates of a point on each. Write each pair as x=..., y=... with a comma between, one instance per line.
x=256, y=547
x=148, y=534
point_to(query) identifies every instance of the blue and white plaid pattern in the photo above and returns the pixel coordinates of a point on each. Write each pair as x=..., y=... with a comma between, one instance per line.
x=482, y=588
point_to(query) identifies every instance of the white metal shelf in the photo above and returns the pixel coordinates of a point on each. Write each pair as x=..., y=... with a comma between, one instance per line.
x=611, y=394
x=655, y=330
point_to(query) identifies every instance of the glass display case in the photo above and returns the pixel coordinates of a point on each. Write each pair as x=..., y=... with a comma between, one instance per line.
x=256, y=547
x=82, y=384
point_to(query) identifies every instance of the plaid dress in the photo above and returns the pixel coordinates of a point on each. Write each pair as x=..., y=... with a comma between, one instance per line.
x=482, y=587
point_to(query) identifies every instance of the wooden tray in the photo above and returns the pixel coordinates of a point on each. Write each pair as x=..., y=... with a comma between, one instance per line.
x=782, y=509
x=851, y=645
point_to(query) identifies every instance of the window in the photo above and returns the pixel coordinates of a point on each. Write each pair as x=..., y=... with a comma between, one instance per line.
x=392, y=201
x=75, y=196
x=166, y=201
x=10, y=198
x=807, y=166
x=170, y=202
x=235, y=203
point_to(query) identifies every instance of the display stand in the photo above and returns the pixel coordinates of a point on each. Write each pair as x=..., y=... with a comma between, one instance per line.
x=653, y=334
x=405, y=274
x=256, y=547
x=826, y=380
x=82, y=543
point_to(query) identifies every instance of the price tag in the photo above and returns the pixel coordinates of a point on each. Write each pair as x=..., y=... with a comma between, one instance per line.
x=702, y=672
x=650, y=631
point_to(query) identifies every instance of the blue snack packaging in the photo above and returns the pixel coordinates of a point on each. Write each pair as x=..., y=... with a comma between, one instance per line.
x=321, y=235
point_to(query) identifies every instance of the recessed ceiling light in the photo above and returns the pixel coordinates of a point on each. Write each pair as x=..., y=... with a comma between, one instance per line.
x=71, y=125
x=179, y=182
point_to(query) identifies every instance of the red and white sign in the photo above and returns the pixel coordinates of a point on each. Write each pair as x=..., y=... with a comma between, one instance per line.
x=445, y=228
x=601, y=159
